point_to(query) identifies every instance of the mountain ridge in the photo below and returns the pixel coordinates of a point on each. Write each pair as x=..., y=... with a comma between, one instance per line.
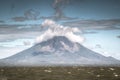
x=58, y=50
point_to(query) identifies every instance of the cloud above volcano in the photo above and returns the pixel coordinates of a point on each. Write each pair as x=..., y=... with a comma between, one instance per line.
x=53, y=29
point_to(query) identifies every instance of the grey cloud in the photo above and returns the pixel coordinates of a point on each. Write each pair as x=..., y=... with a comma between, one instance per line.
x=58, y=6
x=94, y=24
x=30, y=14
x=98, y=46
x=118, y=36
x=89, y=32
x=19, y=19
x=1, y=21
x=57, y=19
x=10, y=32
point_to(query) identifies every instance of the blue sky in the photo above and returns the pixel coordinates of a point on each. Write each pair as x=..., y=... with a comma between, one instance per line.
x=104, y=42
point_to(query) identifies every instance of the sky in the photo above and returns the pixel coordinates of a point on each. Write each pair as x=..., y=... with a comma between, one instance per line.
x=88, y=15
x=84, y=9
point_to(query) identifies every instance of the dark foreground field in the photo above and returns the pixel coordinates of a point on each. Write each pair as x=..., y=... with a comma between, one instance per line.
x=60, y=73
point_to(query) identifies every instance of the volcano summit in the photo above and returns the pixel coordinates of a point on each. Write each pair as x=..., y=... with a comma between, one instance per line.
x=58, y=51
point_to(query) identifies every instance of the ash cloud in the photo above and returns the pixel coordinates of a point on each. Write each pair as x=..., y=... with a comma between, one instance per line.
x=58, y=5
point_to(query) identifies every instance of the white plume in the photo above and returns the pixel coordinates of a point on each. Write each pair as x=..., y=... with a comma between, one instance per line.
x=54, y=29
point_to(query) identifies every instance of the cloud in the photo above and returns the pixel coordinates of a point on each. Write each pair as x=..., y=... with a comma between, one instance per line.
x=19, y=19
x=57, y=19
x=94, y=24
x=27, y=43
x=98, y=46
x=30, y=14
x=54, y=29
x=89, y=32
x=1, y=21
x=118, y=36
x=58, y=6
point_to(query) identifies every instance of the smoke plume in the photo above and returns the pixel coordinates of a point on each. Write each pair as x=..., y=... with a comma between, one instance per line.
x=58, y=5
x=54, y=29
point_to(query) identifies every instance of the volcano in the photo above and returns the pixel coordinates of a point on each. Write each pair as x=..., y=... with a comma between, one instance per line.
x=58, y=50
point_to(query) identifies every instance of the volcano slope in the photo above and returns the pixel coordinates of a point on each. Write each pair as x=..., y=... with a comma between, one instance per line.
x=58, y=50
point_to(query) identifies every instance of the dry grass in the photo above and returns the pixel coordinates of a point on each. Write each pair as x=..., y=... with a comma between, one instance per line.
x=60, y=73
